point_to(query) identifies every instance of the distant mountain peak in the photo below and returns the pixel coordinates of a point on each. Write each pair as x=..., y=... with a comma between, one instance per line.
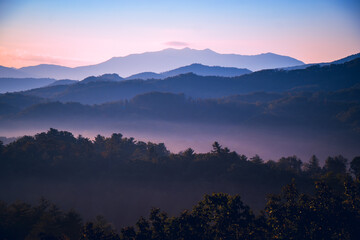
x=339, y=61
x=160, y=61
x=194, y=68
x=45, y=65
x=269, y=53
x=203, y=70
x=113, y=77
x=173, y=49
x=187, y=49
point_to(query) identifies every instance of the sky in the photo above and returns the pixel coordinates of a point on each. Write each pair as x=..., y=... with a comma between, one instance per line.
x=82, y=32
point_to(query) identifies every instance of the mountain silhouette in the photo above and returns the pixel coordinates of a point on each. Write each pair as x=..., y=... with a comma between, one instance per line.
x=49, y=70
x=196, y=68
x=63, y=82
x=105, y=77
x=21, y=84
x=346, y=59
x=146, y=75
x=6, y=72
x=161, y=61
x=315, y=78
x=340, y=61
x=332, y=111
x=199, y=69
x=203, y=70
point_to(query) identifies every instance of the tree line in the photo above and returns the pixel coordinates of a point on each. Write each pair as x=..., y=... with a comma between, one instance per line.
x=56, y=153
x=328, y=213
x=321, y=202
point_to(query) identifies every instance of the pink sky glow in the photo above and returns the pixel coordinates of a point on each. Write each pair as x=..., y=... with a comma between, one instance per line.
x=89, y=32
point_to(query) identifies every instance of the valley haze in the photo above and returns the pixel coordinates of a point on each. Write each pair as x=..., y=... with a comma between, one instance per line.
x=173, y=120
x=243, y=110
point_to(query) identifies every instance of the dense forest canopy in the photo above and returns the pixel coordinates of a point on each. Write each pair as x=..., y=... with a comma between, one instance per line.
x=321, y=202
x=55, y=152
x=334, y=111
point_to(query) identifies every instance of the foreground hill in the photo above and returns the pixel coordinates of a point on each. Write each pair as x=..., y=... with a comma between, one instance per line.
x=122, y=178
x=161, y=61
x=331, y=111
x=315, y=78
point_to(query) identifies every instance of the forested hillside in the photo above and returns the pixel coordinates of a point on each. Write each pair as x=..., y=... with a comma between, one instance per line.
x=334, y=111
x=328, y=78
x=179, y=120
x=322, y=202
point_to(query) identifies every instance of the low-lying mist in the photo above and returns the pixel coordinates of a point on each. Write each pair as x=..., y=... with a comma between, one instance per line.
x=270, y=143
x=123, y=200
x=123, y=203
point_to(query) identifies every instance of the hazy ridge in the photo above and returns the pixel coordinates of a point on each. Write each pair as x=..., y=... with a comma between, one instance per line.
x=159, y=61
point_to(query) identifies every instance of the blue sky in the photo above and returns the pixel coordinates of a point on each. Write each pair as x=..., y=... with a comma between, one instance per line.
x=73, y=33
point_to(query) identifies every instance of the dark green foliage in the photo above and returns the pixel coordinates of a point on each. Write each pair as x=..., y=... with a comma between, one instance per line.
x=100, y=229
x=58, y=154
x=1, y=147
x=336, y=165
x=333, y=111
x=217, y=216
x=257, y=159
x=313, y=166
x=54, y=152
x=355, y=167
x=290, y=163
x=331, y=211
x=43, y=221
x=223, y=216
x=325, y=215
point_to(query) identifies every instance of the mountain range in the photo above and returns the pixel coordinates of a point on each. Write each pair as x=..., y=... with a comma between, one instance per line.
x=331, y=111
x=6, y=72
x=97, y=90
x=339, y=61
x=329, y=92
x=157, y=62
x=21, y=84
x=195, y=68
x=322, y=101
